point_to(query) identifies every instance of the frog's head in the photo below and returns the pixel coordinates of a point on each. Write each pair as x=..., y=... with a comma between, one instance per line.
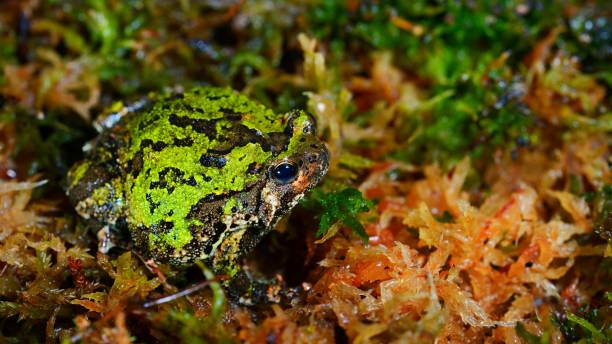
x=294, y=172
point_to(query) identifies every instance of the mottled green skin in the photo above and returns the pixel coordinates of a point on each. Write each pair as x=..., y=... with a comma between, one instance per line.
x=189, y=174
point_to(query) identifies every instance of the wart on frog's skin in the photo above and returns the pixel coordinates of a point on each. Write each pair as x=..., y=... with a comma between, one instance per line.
x=202, y=174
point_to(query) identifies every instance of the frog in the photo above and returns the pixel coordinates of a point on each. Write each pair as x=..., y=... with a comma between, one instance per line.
x=201, y=174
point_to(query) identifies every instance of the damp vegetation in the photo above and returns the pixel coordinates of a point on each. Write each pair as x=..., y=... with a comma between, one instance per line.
x=469, y=195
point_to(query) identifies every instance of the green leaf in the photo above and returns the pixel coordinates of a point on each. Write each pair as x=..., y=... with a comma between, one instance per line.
x=218, y=304
x=8, y=309
x=72, y=38
x=357, y=227
x=354, y=161
x=585, y=324
x=530, y=338
x=130, y=280
x=446, y=217
x=602, y=212
x=343, y=206
x=103, y=25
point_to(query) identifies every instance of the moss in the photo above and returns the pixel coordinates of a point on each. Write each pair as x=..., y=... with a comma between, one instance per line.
x=77, y=172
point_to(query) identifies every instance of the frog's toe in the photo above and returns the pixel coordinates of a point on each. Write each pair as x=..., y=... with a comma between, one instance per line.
x=246, y=290
x=105, y=244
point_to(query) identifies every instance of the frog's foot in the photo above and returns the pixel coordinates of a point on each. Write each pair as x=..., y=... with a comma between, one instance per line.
x=247, y=290
x=119, y=110
x=105, y=242
x=112, y=239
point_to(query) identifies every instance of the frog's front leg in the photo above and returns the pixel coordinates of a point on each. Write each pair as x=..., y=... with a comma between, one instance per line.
x=105, y=241
x=113, y=115
x=241, y=285
x=110, y=237
x=118, y=110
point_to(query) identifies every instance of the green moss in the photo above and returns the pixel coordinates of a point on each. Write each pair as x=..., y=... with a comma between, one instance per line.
x=77, y=172
x=341, y=206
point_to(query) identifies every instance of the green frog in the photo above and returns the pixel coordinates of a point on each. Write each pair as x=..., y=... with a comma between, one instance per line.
x=202, y=174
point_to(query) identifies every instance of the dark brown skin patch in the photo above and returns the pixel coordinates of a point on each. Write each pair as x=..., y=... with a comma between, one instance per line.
x=135, y=165
x=186, y=142
x=200, y=209
x=157, y=146
x=230, y=114
x=170, y=176
x=152, y=205
x=209, y=160
x=242, y=135
x=201, y=126
x=148, y=121
x=254, y=168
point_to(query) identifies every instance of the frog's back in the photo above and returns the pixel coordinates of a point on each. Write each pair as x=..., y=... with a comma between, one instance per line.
x=207, y=115
x=198, y=137
x=187, y=150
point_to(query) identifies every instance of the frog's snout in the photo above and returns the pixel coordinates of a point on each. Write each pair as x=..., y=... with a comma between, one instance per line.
x=317, y=157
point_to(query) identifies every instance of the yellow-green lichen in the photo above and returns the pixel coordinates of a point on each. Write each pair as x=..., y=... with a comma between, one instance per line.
x=176, y=238
x=229, y=205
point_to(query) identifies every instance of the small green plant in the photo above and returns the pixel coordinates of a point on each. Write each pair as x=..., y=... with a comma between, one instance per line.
x=343, y=206
x=595, y=333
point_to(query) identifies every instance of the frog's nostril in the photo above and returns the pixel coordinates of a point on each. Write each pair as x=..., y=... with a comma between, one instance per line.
x=324, y=154
x=312, y=158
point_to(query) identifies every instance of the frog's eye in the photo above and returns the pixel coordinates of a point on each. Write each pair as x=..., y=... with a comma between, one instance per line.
x=285, y=172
